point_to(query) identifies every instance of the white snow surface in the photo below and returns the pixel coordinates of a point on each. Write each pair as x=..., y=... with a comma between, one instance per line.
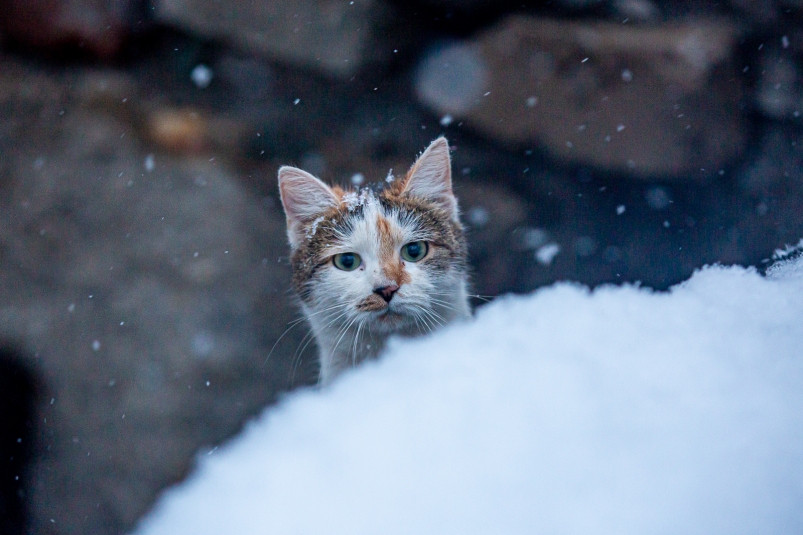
x=617, y=411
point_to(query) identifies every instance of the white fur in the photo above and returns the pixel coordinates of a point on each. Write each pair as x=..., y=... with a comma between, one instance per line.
x=346, y=335
x=304, y=198
x=431, y=177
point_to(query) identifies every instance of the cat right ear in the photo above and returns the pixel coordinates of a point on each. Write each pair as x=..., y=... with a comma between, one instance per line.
x=304, y=198
x=430, y=177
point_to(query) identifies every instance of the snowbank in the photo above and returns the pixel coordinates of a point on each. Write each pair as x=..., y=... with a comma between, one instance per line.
x=618, y=411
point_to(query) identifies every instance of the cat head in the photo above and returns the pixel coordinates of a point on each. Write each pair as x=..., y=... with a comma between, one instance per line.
x=390, y=260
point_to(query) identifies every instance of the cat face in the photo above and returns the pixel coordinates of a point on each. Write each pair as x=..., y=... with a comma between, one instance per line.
x=377, y=262
x=380, y=262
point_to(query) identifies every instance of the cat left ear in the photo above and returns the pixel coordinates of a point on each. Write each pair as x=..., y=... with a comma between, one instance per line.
x=304, y=198
x=430, y=178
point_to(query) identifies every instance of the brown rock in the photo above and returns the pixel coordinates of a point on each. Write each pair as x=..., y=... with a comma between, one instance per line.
x=96, y=26
x=180, y=131
x=655, y=100
x=333, y=36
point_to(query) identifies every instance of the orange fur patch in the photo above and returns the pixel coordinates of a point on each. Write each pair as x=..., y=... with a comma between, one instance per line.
x=392, y=266
x=338, y=191
x=395, y=271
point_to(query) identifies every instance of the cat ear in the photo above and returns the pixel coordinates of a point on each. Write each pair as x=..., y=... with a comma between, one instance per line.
x=304, y=198
x=430, y=177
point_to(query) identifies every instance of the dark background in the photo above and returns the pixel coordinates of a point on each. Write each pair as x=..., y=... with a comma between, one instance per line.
x=144, y=282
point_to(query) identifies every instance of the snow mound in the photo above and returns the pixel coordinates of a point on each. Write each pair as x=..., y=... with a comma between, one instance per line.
x=617, y=411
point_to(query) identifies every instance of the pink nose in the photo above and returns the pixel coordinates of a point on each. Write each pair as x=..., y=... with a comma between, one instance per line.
x=386, y=292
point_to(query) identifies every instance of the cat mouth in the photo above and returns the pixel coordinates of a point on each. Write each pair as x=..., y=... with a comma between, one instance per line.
x=390, y=317
x=381, y=312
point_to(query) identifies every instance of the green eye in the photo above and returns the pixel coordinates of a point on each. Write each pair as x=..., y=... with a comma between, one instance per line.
x=347, y=261
x=415, y=251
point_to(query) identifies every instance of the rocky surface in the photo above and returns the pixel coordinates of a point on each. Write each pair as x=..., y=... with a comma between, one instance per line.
x=147, y=290
x=580, y=91
x=17, y=397
x=332, y=36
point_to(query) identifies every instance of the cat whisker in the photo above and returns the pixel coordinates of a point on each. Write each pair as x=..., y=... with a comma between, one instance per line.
x=434, y=316
x=355, y=343
x=290, y=328
x=300, y=352
x=342, y=334
x=418, y=323
x=443, y=304
x=422, y=313
x=294, y=323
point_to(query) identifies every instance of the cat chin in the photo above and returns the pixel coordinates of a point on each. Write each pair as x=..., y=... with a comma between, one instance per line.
x=390, y=321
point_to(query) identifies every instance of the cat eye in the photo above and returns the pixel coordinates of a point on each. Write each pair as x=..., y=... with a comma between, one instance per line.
x=415, y=251
x=347, y=261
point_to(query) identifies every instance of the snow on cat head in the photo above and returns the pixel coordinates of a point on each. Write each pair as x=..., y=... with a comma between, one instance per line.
x=617, y=411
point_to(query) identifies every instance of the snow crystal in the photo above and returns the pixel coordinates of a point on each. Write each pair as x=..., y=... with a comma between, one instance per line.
x=627, y=75
x=313, y=228
x=620, y=209
x=658, y=198
x=203, y=343
x=533, y=238
x=546, y=254
x=354, y=199
x=788, y=251
x=614, y=411
x=478, y=216
x=357, y=179
x=201, y=76
x=451, y=78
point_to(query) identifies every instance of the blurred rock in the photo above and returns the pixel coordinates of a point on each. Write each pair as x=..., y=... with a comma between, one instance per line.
x=758, y=12
x=333, y=36
x=770, y=205
x=250, y=79
x=17, y=397
x=146, y=289
x=765, y=15
x=180, y=131
x=636, y=10
x=647, y=101
x=96, y=26
x=777, y=165
x=779, y=90
x=580, y=4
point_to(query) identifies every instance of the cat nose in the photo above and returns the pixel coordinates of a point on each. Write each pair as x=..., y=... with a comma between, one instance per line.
x=386, y=292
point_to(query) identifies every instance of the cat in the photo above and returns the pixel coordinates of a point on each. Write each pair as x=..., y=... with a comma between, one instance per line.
x=372, y=263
